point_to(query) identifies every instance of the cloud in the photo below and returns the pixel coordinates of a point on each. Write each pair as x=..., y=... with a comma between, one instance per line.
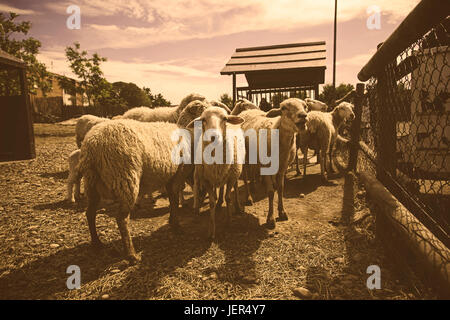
x=7, y=8
x=160, y=21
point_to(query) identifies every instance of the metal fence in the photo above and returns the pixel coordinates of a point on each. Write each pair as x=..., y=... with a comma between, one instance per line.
x=405, y=118
x=267, y=99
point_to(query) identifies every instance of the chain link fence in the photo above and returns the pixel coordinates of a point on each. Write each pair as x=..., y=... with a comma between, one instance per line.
x=405, y=128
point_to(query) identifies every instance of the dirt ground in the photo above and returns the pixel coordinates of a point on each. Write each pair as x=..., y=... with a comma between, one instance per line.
x=325, y=247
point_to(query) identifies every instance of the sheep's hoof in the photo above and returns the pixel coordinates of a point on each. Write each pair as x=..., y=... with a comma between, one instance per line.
x=98, y=245
x=218, y=205
x=134, y=258
x=299, y=173
x=282, y=216
x=248, y=202
x=270, y=224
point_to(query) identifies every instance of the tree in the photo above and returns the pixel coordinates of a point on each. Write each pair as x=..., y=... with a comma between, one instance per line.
x=92, y=83
x=227, y=100
x=25, y=48
x=156, y=100
x=329, y=95
x=132, y=94
x=277, y=98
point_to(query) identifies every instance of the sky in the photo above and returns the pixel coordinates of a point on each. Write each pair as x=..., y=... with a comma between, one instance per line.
x=176, y=47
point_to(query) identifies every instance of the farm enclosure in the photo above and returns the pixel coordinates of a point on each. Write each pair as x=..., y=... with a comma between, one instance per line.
x=326, y=245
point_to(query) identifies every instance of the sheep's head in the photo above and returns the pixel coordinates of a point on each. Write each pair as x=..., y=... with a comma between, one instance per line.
x=242, y=105
x=189, y=98
x=344, y=111
x=193, y=110
x=293, y=113
x=216, y=103
x=216, y=119
x=315, y=105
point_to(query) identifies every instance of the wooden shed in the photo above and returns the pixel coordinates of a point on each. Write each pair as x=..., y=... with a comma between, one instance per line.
x=289, y=70
x=16, y=123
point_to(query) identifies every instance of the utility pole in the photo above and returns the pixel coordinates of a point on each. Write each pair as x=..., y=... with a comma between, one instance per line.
x=334, y=49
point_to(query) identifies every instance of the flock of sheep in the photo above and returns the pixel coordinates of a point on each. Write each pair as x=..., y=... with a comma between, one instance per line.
x=131, y=155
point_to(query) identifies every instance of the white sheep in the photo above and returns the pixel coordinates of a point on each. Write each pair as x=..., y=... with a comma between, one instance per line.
x=215, y=103
x=243, y=105
x=316, y=105
x=313, y=105
x=166, y=114
x=84, y=124
x=121, y=158
x=289, y=119
x=72, y=180
x=216, y=175
x=321, y=133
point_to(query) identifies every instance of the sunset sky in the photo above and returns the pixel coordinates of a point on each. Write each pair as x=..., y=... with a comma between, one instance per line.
x=178, y=47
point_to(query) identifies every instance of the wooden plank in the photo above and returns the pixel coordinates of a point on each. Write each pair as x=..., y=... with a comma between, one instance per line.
x=273, y=66
x=280, y=46
x=276, y=59
x=278, y=51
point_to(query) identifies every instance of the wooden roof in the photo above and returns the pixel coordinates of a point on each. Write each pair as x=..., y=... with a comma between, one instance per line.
x=10, y=60
x=295, y=64
x=277, y=57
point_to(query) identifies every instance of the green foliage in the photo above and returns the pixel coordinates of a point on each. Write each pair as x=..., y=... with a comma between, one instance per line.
x=156, y=100
x=329, y=95
x=25, y=48
x=87, y=69
x=227, y=100
x=132, y=94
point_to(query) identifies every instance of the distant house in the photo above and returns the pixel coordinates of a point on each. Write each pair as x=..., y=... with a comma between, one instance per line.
x=68, y=98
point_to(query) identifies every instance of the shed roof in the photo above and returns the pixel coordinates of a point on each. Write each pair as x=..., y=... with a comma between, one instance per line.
x=10, y=60
x=277, y=57
x=294, y=64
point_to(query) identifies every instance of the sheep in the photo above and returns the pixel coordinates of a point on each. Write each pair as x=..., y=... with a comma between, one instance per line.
x=84, y=124
x=215, y=103
x=215, y=175
x=167, y=114
x=72, y=182
x=313, y=105
x=120, y=159
x=289, y=119
x=316, y=105
x=322, y=132
x=242, y=105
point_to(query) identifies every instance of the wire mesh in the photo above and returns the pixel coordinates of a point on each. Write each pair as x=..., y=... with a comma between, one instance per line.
x=405, y=125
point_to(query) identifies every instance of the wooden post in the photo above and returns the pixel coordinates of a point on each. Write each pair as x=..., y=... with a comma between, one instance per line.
x=387, y=136
x=234, y=89
x=356, y=128
x=28, y=151
x=316, y=91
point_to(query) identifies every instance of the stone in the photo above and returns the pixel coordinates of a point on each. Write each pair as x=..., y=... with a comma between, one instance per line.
x=302, y=293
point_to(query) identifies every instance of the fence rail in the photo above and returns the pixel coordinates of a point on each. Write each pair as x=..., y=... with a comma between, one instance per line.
x=402, y=121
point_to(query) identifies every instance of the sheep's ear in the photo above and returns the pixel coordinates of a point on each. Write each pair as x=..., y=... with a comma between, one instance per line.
x=273, y=113
x=234, y=119
x=191, y=124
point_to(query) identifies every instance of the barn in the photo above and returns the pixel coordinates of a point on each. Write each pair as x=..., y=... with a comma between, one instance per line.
x=16, y=123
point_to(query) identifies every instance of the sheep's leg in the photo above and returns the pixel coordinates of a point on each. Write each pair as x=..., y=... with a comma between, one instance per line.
x=122, y=223
x=282, y=216
x=323, y=164
x=70, y=196
x=77, y=189
x=196, y=188
x=270, y=191
x=248, y=198
x=229, y=186
x=91, y=213
x=305, y=161
x=212, y=212
x=220, y=199
x=296, y=162
x=237, y=204
x=330, y=164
